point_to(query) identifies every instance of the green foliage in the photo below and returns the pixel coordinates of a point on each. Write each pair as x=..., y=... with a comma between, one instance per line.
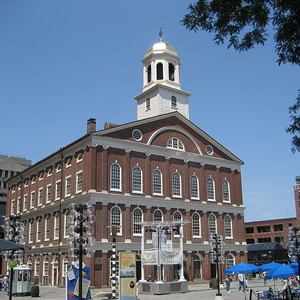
x=244, y=24
x=294, y=128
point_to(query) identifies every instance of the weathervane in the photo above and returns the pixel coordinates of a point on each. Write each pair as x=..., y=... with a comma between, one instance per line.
x=160, y=31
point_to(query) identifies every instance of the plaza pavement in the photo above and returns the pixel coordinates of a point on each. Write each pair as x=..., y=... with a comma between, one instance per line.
x=196, y=291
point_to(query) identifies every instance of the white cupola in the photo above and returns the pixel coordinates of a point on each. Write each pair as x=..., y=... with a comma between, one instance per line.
x=161, y=83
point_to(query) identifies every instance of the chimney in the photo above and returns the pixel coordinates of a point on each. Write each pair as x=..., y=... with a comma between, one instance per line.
x=91, y=125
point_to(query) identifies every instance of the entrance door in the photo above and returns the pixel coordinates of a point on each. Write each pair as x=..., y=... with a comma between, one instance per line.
x=55, y=273
x=197, y=267
x=213, y=271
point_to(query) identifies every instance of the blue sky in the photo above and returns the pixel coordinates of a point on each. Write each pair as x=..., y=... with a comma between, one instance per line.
x=65, y=61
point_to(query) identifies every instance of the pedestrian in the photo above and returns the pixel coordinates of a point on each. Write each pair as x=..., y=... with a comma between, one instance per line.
x=1, y=282
x=228, y=281
x=5, y=282
x=241, y=282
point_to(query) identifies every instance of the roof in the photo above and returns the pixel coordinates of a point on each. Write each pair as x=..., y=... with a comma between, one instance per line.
x=264, y=247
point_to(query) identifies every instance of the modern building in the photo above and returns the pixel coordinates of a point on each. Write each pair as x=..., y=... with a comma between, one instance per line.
x=276, y=230
x=9, y=167
x=161, y=167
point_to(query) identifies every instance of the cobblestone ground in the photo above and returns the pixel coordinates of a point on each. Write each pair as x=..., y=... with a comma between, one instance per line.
x=196, y=291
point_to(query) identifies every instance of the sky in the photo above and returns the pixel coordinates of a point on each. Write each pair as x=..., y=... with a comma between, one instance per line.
x=65, y=61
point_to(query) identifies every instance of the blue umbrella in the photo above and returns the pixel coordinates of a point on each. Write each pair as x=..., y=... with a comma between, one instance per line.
x=269, y=266
x=282, y=272
x=242, y=268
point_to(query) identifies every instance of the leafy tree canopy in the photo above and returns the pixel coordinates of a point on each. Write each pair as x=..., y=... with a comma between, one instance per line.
x=244, y=23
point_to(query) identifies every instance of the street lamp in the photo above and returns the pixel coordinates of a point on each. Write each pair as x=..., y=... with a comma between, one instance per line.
x=80, y=225
x=294, y=245
x=13, y=231
x=217, y=256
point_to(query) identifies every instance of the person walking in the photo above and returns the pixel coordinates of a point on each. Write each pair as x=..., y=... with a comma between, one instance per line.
x=228, y=281
x=5, y=282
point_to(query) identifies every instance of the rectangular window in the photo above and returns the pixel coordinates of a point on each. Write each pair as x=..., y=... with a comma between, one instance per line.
x=264, y=240
x=19, y=205
x=79, y=182
x=30, y=232
x=25, y=203
x=47, y=228
x=66, y=234
x=56, y=227
x=32, y=199
x=250, y=241
x=12, y=208
x=38, y=229
x=249, y=230
x=68, y=186
x=278, y=227
x=261, y=229
x=40, y=197
x=49, y=193
x=279, y=239
x=58, y=190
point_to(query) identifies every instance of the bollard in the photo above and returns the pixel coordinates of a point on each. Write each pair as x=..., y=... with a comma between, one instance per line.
x=35, y=291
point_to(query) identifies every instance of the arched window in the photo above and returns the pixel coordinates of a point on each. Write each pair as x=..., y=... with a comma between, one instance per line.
x=212, y=224
x=171, y=72
x=176, y=184
x=210, y=189
x=157, y=215
x=149, y=73
x=137, y=218
x=175, y=143
x=37, y=268
x=228, y=227
x=173, y=102
x=116, y=219
x=46, y=267
x=177, y=216
x=159, y=71
x=137, y=180
x=194, y=187
x=196, y=225
x=226, y=191
x=157, y=182
x=115, y=177
x=229, y=261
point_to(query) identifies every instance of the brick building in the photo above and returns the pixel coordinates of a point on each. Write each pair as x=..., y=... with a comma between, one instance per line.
x=160, y=167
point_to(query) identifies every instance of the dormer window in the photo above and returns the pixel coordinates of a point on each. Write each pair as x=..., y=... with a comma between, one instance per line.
x=175, y=143
x=173, y=102
x=149, y=74
x=159, y=71
x=69, y=163
x=171, y=72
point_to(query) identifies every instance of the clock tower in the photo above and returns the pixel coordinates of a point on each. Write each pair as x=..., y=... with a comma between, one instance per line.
x=161, y=83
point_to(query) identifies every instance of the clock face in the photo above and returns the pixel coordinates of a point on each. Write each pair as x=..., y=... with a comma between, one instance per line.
x=137, y=135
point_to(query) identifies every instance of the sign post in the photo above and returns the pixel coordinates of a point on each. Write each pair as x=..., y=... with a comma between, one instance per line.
x=127, y=276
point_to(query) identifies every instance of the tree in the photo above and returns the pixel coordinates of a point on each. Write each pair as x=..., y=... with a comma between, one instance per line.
x=244, y=24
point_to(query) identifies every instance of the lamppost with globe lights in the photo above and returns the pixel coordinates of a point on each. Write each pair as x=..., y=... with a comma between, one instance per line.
x=13, y=231
x=80, y=221
x=217, y=256
x=294, y=245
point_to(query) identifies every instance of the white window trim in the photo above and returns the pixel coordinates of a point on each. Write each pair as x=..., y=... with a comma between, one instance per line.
x=30, y=238
x=162, y=215
x=69, y=163
x=214, y=190
x=200, y=233
x=135, y=191
x=47, y=219
x=180, y=186
x=49, y=186
x=66, y=234
x=18, y=205
x=58, y=168
x=38, y=229
x=161, y=183
x=12, y=207
x=77, y=190
x=198, y=194
x=229, y=196
x=118, y=233
x=216, y=224
x=49, y=173
x=114, y=189
x=137, y=208
x=79, y=158
x=32, y=204
x=56, y=225
x=66, y=186
x=57, y=196
x=40, y=192
x=181, y=218
x=228, y=237
x=25, y=207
